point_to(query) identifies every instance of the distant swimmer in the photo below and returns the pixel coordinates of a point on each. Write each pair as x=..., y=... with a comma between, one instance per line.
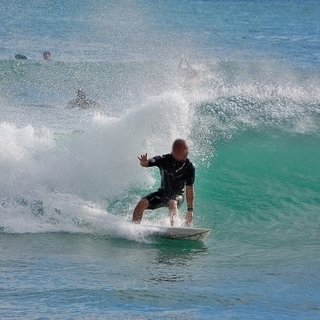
x=186, y=69
x=177, y=173
x=47, y=55
x=20, y=57
x=82, y=102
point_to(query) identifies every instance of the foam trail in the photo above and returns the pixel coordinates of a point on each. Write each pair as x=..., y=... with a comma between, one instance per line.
x=52, y=183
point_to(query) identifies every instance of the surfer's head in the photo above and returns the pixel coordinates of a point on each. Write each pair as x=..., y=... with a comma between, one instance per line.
x=80, y=94
x=46, y=55
x=180, y=150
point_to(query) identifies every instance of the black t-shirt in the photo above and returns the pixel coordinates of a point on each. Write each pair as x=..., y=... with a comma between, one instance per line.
x=174, y=174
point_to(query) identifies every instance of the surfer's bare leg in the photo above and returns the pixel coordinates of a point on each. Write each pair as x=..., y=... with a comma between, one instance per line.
x=173, y=211
x=139, y=209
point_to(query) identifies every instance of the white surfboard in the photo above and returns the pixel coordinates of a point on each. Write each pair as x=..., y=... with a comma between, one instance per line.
x=179, y=233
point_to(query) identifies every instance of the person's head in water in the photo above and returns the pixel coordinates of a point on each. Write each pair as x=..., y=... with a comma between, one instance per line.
x=46, y=55
x=81, y=95
x=180, y=150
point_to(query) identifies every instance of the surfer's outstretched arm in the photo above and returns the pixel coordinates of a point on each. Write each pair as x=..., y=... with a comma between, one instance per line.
x=144, y=161
x=181, y=62
x=190, y=203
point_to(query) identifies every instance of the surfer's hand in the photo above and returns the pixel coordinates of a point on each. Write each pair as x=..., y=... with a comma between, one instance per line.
x=189, y=218
x=144, y=162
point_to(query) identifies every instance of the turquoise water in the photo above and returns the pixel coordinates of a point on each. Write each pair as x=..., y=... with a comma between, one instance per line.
x=69, y=179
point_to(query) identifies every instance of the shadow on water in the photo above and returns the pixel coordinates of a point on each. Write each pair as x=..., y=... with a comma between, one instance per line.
x=173, y=260
x=169, y=260
x=164, y=260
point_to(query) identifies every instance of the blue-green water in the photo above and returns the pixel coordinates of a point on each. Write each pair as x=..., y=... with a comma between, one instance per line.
x=69, y=179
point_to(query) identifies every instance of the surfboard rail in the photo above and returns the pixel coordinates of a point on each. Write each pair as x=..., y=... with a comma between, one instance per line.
x=180, y=233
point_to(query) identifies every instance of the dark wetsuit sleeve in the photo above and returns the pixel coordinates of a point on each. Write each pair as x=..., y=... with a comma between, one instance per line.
x=156, y=161
x=190, y=175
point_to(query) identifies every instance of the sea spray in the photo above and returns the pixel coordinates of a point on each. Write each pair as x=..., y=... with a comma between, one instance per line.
x=41, y=170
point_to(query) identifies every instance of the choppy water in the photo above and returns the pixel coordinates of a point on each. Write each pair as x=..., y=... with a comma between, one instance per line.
x=69, y=179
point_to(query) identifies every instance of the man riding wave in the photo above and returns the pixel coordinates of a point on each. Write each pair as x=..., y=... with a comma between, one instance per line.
x=177, y=172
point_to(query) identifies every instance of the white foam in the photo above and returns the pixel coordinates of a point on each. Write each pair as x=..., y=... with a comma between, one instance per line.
x=52, y=183
x=66, y=180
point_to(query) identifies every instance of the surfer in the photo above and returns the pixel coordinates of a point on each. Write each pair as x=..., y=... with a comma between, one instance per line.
x=177, y=172
x=82, y=102
x=47, y=55
x=20, y=57
x=186, y=69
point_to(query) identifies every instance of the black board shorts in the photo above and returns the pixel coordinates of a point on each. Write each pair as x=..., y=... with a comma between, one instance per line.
x=161, y=199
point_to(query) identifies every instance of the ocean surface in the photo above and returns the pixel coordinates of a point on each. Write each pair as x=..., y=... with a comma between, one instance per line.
x=70, y=178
